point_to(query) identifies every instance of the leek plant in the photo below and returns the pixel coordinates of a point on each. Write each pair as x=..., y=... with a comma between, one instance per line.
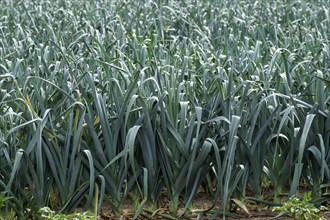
x=102, y=102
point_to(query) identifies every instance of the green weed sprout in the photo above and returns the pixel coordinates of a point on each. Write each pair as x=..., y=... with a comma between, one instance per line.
x=47, y=213
x=301, y=209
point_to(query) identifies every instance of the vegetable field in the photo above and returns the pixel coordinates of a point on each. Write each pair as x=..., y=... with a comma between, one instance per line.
x=104, y=102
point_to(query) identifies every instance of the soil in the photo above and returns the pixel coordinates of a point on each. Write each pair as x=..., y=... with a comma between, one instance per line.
x=202, y=201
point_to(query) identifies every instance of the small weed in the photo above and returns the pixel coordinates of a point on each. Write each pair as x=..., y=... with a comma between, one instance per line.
x=3, y=200
x=47, y=213
x=301, y=209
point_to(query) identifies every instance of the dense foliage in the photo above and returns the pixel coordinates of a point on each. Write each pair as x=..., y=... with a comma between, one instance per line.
x=102, y=101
